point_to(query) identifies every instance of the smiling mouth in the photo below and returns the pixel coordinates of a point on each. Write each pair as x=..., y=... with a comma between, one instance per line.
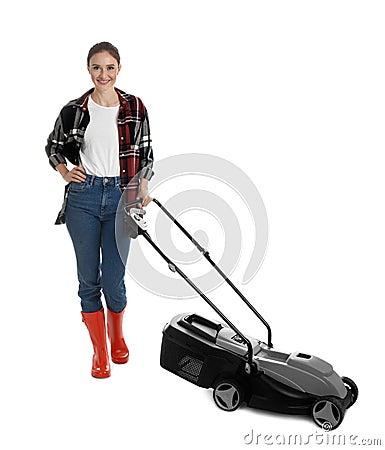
x=103, y=81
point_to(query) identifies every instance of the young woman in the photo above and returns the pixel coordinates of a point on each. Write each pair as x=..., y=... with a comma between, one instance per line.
x=105, y=134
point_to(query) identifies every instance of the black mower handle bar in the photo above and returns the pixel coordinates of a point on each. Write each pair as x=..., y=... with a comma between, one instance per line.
x=205, y=253
x=133, y=202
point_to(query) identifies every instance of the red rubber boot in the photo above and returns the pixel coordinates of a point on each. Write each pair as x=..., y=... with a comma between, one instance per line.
x=119, y=350
x=96, y=325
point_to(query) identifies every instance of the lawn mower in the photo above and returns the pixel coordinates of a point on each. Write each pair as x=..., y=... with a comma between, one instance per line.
x=239, y=368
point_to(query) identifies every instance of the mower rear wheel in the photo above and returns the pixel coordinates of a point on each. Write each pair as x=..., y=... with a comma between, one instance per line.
x=228, y=395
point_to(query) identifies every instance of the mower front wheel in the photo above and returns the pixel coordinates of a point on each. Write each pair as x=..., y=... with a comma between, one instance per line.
x=351, y=385
x=327, y=413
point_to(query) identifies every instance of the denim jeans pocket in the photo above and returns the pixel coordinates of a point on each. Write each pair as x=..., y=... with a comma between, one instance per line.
x=76, y=186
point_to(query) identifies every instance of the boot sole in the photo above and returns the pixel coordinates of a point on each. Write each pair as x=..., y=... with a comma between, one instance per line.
x=101, y=375
x=120, y=361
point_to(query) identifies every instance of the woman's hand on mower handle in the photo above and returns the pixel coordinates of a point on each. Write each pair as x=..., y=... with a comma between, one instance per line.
x=143, y=197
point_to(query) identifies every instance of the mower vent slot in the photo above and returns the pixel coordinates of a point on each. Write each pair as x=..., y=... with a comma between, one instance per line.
x=190, y=367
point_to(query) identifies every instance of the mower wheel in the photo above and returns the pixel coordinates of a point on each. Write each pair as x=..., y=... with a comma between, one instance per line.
x=228, y=395
x=327, y=413
x=351, y=385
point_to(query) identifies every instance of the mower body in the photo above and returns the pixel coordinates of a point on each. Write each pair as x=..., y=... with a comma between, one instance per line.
x=205, y=352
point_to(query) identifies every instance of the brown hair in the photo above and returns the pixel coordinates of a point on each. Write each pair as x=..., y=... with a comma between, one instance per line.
x=103, y=47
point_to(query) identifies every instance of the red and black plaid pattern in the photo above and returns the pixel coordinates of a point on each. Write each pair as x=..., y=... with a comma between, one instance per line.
x=135, y=150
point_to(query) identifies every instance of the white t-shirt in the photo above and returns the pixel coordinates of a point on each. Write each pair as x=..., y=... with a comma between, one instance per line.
x=100, y=152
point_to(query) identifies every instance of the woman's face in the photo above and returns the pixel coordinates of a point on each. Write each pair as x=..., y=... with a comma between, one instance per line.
x=103, y=69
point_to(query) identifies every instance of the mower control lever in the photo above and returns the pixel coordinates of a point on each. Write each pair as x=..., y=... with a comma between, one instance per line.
x=137, y=211
x=136, y=215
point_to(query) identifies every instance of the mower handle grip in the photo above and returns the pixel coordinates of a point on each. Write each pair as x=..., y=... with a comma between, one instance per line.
x=187, y=322
x=203, y=321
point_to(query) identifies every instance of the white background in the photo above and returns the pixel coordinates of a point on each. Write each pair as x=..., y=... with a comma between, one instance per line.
x=293, y=93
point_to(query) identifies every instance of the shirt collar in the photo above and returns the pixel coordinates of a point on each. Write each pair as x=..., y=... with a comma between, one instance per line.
x=82, y=102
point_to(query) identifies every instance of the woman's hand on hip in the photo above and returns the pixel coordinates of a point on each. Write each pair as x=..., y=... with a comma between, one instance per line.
x=76, y=175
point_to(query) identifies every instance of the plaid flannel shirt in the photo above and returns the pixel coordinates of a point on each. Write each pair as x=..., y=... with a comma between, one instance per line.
x=135, y=150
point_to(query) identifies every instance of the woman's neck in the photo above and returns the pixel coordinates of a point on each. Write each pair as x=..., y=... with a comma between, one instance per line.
x=105, y=98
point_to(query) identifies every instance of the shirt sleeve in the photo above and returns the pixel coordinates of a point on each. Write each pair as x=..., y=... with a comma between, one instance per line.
x=55, y=143
x=146, y=160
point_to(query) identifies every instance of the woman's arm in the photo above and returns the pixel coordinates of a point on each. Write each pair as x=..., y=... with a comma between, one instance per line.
x=143, y=193
x=77, y=174
x=146, y=161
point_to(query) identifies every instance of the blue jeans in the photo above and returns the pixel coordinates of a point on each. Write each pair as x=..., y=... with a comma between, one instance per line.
x=101, y=254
